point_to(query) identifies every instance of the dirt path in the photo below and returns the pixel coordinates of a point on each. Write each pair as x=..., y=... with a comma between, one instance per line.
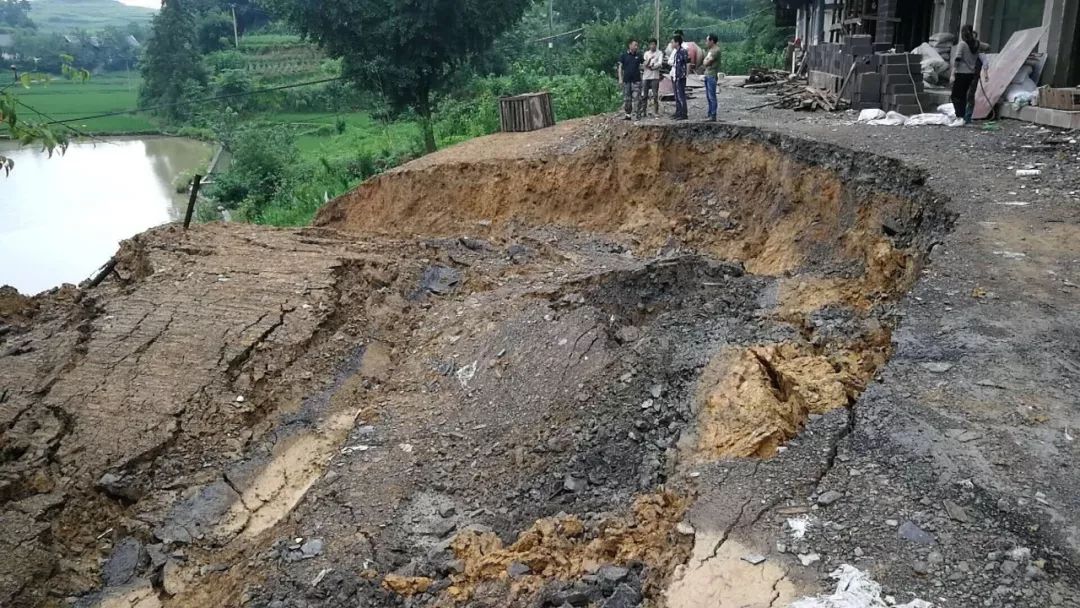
x=600, y=365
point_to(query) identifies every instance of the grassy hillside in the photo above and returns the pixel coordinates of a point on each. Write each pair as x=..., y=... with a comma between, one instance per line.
x=281, y=58
x=67, y=15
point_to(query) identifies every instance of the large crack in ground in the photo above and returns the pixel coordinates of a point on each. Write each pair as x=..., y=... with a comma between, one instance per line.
x=490, y=381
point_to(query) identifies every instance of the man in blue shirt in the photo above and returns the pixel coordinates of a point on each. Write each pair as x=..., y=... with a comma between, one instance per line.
x=680, y=67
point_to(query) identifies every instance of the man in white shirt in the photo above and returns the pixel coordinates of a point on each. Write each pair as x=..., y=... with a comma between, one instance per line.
x=652, y=64
x=669, y=56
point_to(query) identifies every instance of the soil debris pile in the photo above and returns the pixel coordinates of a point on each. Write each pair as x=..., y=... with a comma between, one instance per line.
x=478, y=381
x=752, y=401
x=564, y=548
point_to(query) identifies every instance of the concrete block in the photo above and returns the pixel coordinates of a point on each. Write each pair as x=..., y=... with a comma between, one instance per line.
x=906, y=110
x=859, y=44
x=869, y=84
x=903, y=69
x=1061, y=119
x=901, y=89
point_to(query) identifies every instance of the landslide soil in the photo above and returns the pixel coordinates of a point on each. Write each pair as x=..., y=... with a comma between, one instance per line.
x=485, y=378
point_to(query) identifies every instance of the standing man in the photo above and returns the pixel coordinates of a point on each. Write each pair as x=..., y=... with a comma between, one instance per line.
x=680, y=67
x=712, y=71
x=654, y=62
x=630, y=79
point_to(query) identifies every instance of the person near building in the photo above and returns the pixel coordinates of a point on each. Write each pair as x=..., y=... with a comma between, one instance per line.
x=653, y=61
x=966, y=66
x=630, y=63
x=679, y=69
x=712, y=72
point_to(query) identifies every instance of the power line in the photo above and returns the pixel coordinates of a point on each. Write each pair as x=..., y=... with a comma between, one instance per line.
x=726, y=21
x=194, y=101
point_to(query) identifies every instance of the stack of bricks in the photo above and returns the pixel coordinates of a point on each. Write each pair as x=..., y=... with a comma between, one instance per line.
x=901, y=83
x=890, y=81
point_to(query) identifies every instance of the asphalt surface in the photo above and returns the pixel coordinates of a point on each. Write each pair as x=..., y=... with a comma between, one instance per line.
x=954, y=480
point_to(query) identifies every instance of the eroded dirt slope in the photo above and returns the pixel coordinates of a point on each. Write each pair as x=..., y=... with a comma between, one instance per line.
x=491, y=383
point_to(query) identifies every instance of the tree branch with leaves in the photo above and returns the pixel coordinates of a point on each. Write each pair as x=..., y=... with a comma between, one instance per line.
x=32, y=132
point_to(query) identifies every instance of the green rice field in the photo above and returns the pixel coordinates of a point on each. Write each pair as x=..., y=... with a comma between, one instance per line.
x=64, y=100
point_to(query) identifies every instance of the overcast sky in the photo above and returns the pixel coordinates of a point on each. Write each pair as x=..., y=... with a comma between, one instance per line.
x=148, y=3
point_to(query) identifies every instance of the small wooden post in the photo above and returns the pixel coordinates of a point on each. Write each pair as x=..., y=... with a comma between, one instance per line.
x=195, y=184
x=526, y=112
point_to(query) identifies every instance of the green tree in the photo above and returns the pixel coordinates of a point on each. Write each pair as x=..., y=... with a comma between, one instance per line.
x=214, y=31
x=172, y=68
x=577, y=12
x=16, y=13
x=406, y=49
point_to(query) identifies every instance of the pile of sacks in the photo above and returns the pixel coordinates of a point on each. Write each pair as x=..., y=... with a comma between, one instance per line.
x=1022, y=90
x=936, y=58
x=943, y=43
x=945, y=116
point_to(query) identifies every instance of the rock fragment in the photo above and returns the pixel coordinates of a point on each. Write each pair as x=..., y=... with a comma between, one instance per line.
x=913, y=533
x=829, y=498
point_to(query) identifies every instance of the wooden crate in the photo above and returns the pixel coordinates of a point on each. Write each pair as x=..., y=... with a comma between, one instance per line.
x=526, y=112
x=1060, y=99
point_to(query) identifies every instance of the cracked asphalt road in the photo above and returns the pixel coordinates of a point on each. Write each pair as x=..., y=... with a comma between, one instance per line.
x=224, y=400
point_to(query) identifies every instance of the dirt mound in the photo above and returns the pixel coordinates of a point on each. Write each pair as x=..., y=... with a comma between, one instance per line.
x=734, y=194
x=484, y=367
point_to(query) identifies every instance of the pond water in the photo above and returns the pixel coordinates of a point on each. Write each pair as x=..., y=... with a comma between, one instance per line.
x=62, y=218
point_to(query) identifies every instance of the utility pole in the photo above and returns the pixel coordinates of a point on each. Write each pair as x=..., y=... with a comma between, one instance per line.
x=657, y=22
x=551, y=24
x=235, y=28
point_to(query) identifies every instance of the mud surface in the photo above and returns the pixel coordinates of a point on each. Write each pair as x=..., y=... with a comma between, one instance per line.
x=603, y=368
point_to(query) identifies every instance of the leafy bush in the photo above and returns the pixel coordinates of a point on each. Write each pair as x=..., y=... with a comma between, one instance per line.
x=226, y=60
x=474, y=111
x=238, y=86
x=263, y=163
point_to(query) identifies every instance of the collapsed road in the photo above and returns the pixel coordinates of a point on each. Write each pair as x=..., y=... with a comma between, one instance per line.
x=601, y=365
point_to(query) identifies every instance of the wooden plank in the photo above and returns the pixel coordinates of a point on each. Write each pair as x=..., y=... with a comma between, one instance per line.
x=1004, y=69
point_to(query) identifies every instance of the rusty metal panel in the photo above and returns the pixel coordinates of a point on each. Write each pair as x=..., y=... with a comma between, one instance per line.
x=1004, y=68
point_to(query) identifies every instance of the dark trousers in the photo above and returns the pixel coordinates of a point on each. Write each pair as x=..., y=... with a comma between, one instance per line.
x=680, y=98
x=632, y=104
x=710, y=95
x=651, y=89
x=960, y=91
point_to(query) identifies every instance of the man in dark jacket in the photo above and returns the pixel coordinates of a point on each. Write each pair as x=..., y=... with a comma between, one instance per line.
x=630, y=79
x=680, y=68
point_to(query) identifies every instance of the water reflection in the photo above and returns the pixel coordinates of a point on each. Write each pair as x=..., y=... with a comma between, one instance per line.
x=62, y=218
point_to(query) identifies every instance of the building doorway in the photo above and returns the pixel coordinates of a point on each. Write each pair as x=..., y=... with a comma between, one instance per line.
x=916, y=21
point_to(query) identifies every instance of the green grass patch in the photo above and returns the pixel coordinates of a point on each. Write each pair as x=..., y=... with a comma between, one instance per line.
x=261, y=41
x=63, y=99
x=363, y=135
